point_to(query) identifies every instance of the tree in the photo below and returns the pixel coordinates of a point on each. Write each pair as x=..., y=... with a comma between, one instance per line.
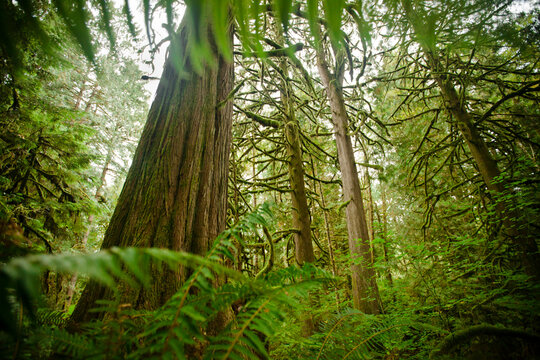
x=44, y=168
x=448, y=70
x=425, y=32
x=301, y=217
x=179, y=169
x=365, y=292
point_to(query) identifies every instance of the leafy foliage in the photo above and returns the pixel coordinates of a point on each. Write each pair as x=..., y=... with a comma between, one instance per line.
x=44, y=166
x=177, y=327
x=76, y=16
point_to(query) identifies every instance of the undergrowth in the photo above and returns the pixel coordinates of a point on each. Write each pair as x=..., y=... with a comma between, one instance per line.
x=176, y=329
x=264, y=314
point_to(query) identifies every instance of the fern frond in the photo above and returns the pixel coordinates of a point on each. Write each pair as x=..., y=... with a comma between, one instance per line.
x=268, y=302
x=51, y=317
x=75, y=346
x=352, y=334
x=335, y=322
x=129, y=265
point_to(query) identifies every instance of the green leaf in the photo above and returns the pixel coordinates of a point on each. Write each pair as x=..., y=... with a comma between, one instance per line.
x=333, y=10
x=178, y=349
x=313, y=18
x=136, y=262
x=192, y=313
x=106, y=22
x=74, y=14
x=129, y=19
x=241, y=8
x=256, y=343
x=195, y=9
x=207, y=273
x=220, y=16
x=282, y=8
x=147, y=25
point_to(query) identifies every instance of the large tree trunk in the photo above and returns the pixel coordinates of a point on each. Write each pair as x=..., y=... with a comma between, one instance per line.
x=174, y=196
x=364, y=286
x=516, y=228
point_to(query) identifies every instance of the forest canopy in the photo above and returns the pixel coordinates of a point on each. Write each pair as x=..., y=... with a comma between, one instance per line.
x=317, y=179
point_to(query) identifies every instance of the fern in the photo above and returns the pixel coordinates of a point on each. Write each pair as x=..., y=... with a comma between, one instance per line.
x=178, y=328
x=267, y=306
x=352, y=334
x=19, y=279
x=181, y=322
x=76, y=346
x=51, y=317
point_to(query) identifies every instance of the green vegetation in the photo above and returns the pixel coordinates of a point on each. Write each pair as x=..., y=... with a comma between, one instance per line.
x=314, y=180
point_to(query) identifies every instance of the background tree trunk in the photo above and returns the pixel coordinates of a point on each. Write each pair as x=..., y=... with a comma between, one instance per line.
x=175, y=193
x=364, y=285
x=300, y=210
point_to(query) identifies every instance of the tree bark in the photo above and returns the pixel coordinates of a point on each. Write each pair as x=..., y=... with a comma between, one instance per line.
x=385, y=237
x=300, y=210
x=301, y=217
x=369, y=210
x=175, y=193
x=364, y=286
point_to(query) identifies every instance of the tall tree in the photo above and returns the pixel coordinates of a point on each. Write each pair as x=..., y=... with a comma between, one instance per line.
x=175, y=193
x=301, y=217
x=425, y=29
x=364, y=285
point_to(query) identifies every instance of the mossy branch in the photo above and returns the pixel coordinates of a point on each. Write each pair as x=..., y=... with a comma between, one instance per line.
x=261, y=119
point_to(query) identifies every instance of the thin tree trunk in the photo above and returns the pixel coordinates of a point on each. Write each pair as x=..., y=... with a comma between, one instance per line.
x=236, y=214
x=84, y=240
x=326, y=227
x=370, y=212
x=364, y=286
x=70, y=291
x=300, y=211
x=301, y=218
x=175, y=193
x=326, y=222
x=99, y=191
x=384, y=222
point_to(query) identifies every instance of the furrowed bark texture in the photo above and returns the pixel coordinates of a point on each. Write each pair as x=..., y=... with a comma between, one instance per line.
x=364, y=286
x=174, y=196
x=517, y=229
